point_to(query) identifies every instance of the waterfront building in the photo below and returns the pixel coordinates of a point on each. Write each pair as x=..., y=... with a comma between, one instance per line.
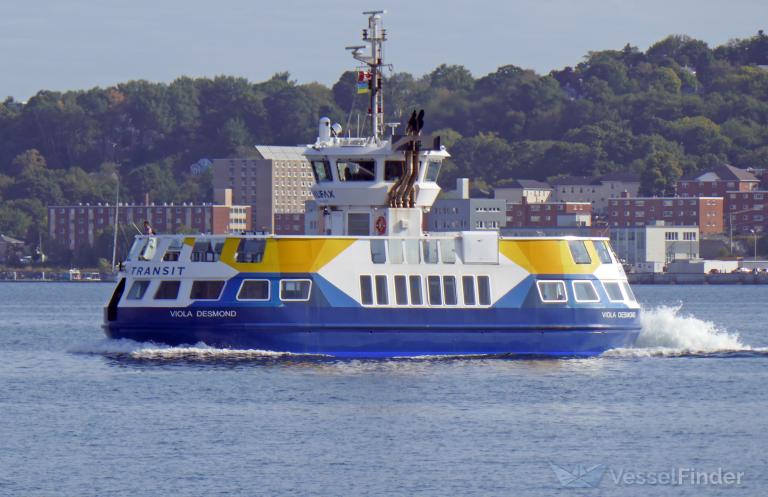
x=651, y=248
x=78, y=225
x=276, y=184
x=704, y=212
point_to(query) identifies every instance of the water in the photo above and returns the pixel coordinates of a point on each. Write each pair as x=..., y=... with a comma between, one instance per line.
x=85, y=416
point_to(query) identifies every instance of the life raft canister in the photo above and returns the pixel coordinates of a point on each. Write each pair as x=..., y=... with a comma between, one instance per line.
x=381, y=225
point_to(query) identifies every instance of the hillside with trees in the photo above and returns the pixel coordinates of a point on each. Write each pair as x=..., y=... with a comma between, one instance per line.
x=680, y=106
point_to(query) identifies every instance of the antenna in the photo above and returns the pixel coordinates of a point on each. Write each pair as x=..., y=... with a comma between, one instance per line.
x=375, y=36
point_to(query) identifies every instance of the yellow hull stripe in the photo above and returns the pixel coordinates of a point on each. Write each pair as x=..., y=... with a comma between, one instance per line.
x=547, y=256
x=289, y=255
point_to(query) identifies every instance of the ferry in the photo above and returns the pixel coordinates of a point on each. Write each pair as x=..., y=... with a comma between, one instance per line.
x=368, y=281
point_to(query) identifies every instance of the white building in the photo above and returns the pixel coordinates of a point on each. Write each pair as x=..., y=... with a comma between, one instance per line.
x=534, y=192
x=597, y=191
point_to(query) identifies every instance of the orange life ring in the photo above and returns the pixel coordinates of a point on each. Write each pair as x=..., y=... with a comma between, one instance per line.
x=381, y=225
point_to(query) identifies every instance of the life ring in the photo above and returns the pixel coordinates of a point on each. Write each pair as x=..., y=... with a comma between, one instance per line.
x=381, y=225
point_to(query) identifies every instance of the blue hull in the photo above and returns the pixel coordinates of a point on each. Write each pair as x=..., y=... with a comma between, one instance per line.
x=392, y=336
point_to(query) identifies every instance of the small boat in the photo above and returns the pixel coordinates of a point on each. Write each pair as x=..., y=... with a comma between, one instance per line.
x=369, y=281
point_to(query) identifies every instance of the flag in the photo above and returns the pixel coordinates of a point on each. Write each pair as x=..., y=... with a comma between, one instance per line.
x=363, y=81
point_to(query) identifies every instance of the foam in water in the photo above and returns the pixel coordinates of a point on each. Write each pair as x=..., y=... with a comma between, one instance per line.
x=666, y=332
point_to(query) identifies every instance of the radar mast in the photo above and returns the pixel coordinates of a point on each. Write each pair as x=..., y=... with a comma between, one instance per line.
x=375, y=35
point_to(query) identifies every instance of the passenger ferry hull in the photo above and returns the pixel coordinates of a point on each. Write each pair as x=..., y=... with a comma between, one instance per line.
x=382, y=333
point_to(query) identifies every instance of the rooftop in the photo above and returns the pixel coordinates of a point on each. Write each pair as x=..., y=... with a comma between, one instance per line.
x=270, y=152
x=724, y=172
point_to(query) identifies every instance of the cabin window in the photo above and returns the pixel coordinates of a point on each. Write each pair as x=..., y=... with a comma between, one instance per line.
x=356, y=170
x=173, y=251
x=136, y=248
x=321, y=170
x=613, y=290
x=366, y=290
x=434, y=290
x=168, y=290
x=295, y=290
x=359, y=224
x=628, y=291
x=603, y=252
x=206, y=290
x=584, y=291
x=552, y=291
x=254, y=290
x=433, y=170
x=412, y=252
x=484, y=290
x=148, y=250
x=430, y=251
x=138, y=289
x=250, y=250
x=448, y=251
x=393, y=170
x=207, y=250
x=468, y=287
x=378, y=251
x=396, y=255
x=449, y=289
x=579, y=252
x=415, y=288
x=382, y=292
x=401, y=290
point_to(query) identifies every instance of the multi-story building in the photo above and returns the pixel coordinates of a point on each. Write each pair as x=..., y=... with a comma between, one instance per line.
x=652, y=247
x=597, y=191
x=717, y=182
x=275, y=184
x=79, y=225
x=747, y=211
x=549, y=215
x=456, y=211
x=704, y=212
x=531, y=190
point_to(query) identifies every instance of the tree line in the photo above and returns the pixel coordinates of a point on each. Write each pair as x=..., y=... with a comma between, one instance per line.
x=679, y=106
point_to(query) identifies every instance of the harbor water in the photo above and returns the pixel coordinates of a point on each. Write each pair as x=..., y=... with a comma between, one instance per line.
x=81, y=415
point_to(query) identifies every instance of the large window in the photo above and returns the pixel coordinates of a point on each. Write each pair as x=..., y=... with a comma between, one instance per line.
x=579, y=252
x=434, y=290
x=433, y=170
x=250, y=250
x=382, y=293
x=138, y=289
x=393, y=170
x=468, y=286
x=366, y=290
x=449, y=289
x=603, y=252
x=295, y=290
x=552, y=291
x=584, y=291
x=356, y=170
x=401, y=290
x=206, y=290
x=415, y=288
x=322, y=171
x=613, y=290
x=167, y=290
x=254, y=290
x=484, y=289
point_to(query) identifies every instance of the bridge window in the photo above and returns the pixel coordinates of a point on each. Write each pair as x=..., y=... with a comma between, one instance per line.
x=393, y=170
x=579, y=252
x=250, y=250
x=168, y=290
x=584, y=291
x=295, y=290
x=434, y=290
x=449, y=289
x=401, y=290
x=322, y=171
x=433, y=170
x=484, y=290
x=138, y=289
x=552, y=291
x=382, y=292
x=415, y=287
x=613, y=290
x=602, y=252
x=468, y=286
x=352, y=170
x=173, y=251
x=254, y=290
x=206, y=290
x=366, y=290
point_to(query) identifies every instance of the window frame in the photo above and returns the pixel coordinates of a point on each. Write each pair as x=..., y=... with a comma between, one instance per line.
x=143, y=293
x=242, y=284
x=369, y=279
x=218, y=297
x=618, y=285
x=583, y=243
x=576, y=294
x=309, y=292
x=480, y=299
x=160, y=285
x=404, y=279
x=540, y=283
x=439, y=290
x=473, y=286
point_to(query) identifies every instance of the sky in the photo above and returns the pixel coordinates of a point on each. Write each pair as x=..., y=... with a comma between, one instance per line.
x=79, y=44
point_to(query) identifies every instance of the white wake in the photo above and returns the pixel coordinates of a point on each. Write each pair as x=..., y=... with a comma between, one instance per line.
x=666, y=331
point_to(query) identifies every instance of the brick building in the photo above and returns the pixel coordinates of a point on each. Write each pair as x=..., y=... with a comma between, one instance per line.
x=79, y=225
x=549, y=215
x=747, y=210
x=704, y=212
x=717, y=182
x=276, y=185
